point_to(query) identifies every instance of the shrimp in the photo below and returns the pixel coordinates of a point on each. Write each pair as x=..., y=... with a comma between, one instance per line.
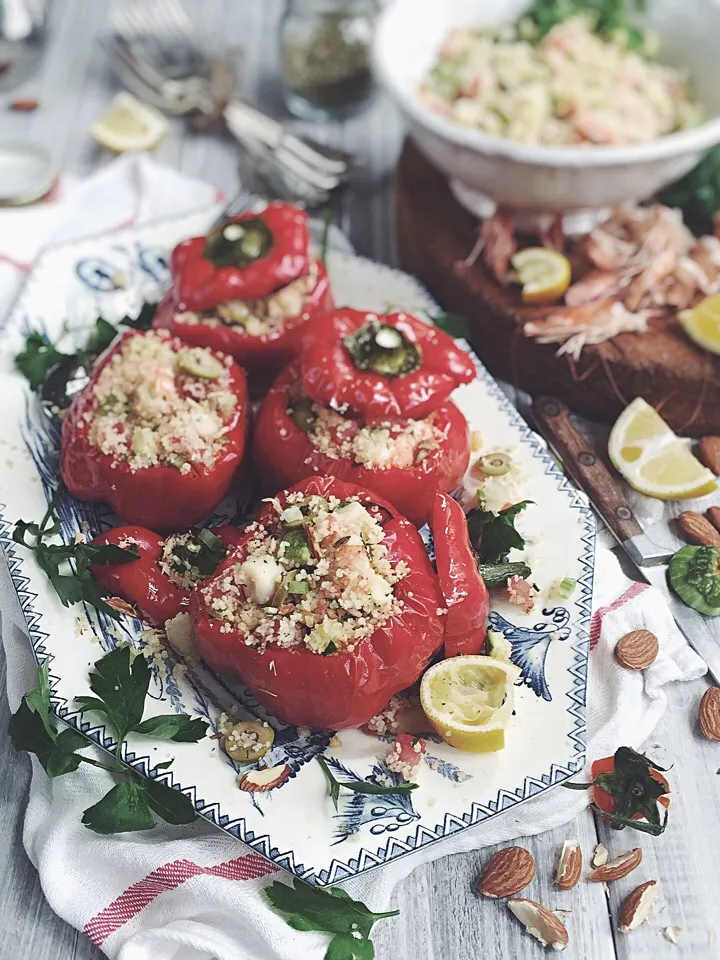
x=497, y=236
x=599, y=284
x=590, y=323
x=607, y=251
x=552, y=235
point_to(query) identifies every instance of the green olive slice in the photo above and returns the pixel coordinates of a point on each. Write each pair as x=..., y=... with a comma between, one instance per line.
x=199, y=362
x=248, y=740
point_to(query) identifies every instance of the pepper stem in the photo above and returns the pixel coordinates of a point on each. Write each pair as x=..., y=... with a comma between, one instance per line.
x=383, y=349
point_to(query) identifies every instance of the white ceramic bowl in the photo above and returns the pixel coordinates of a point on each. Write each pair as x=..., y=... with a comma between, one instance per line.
x=580, y=181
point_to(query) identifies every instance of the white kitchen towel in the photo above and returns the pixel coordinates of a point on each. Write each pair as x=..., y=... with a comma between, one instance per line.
x=194, y=893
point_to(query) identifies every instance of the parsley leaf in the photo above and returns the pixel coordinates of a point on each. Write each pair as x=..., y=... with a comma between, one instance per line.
x=360, y=786
x=454, y=324
x=38, y=356
x=329, y=911
x=345, y=946
x=39, y=699
x=144, y=319
x=121, y=683
x=493, y=535
x=123, y=809
x=101, y=336
x=171, y=805
x=697, y=194
x=175, y=726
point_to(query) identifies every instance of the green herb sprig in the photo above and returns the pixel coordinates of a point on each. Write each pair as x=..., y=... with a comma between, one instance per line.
x=39, y=355
x=697, y=194
x=120, y=682
x=68, y=566
x=328, y=911
x=454, y=324
x=360, y=786
x=493, y=535
x=611, y=18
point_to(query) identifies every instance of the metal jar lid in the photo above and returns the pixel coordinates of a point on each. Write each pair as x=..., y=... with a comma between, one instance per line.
x=27, y=172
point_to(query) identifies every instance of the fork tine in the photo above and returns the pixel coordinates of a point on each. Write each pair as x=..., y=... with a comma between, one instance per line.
x=176, y=14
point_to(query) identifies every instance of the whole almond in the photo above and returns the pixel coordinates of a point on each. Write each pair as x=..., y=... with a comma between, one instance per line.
x=540, y=923
x=637, y=906
x=713, y=515
x=569, y=865
x=709, y=714
x=709, y=451
x=698, y=529
x=24, y=106
x=617, y=868
x=637, y=650
x=507, y=872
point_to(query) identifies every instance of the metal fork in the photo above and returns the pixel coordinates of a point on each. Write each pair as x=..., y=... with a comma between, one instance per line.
x=166, y=25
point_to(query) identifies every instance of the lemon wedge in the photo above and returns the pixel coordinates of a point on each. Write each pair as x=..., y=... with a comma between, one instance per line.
x=544, y=274
x=469, y=700
x=702, y=323
x=655, y=461
x=130, y=125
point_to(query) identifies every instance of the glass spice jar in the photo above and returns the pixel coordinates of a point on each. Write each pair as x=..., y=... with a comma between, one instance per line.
x=325, y=57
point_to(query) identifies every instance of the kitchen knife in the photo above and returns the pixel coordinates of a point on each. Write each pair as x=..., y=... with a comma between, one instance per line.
x=606, y=494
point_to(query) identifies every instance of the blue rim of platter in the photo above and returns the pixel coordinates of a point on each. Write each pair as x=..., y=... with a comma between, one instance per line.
x=341, y=870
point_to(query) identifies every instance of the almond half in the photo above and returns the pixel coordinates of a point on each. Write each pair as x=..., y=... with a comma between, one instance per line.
x=569, y=865
x=122, y=606
x=600, y=855
x=713, y=515
x=709, y=450
x=264, y=779
x=637, y=906
x=709, y=714
x=698, y=529
x=617, y=868
x=637, y=650
x=540, y=923
x=507, y=872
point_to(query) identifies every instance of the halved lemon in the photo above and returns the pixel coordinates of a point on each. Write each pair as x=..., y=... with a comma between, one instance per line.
x=653, y=459
x=702, y=323
x=544, y=274
x=130, y=125
x=469, y=700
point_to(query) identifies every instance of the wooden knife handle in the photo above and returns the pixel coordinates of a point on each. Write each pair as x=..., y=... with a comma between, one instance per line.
x=585, y=467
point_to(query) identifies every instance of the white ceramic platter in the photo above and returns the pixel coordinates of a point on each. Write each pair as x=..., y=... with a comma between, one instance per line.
x=295, y=824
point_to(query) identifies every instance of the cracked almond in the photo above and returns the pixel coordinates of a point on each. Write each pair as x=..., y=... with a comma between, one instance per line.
x=507, y=872
x=709, y=714
x=600, y=855
x=122, y=606
x=637, y=906
x=637, y=650
x=540, y=923
x=264, y=779
x=569, y=865
x=698, y=529
x=617, y=868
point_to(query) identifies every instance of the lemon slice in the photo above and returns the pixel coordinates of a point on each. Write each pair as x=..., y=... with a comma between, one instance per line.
x=130, y=125
x=653, y=459
x=702, y=323
x=544, y=274
x=469, y=700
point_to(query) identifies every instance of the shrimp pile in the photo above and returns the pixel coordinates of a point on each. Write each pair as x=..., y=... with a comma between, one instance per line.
x=641, y=264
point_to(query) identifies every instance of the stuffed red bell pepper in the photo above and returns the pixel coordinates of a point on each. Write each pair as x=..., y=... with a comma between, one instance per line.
x=327, y=607
x=159, y=432
x=464, y=591
x=246, y=288
x=406, y=462
x=380, y=369
x=159, y=583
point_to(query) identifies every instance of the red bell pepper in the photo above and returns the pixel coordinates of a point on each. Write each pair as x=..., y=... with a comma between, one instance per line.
x=283, y=454
x=161, y=497
x=142, y=582
x=347, y=687
x=380, y=368
x=263, y=356
x=466, y=596
x=246, y=258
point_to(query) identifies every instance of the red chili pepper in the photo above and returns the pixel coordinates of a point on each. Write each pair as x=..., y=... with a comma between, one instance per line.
x=271, y=251
x=159, y=497
x=142, y=582
x=347, y=687
x=466, y=596
x=263, y=356
x=283, y=455
x=380, y=368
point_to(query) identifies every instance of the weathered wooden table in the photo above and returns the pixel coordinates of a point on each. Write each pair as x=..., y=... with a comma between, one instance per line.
x=440, y=918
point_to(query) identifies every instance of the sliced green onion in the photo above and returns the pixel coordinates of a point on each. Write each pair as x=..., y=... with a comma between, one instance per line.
x=564, y=589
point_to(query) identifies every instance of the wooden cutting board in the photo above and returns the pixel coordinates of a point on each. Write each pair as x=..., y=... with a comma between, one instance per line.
x=435, y=234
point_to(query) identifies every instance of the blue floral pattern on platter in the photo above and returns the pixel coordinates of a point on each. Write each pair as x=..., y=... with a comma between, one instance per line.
x=366, y=832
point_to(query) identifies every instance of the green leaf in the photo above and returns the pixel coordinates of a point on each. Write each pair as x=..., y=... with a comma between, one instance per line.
x=39, y=699
x=123, y=809
x=344, y=946
x=102, y=335
x=492, y=535
x=144, y=319
x=91, y=703
x=63, y=759
x=453, y=324
x=641, y=826
x=122, y=684
x=311, y=908
x=171, y=805
x=361, y=786
x=175, y=726
x=36, y=359
x=697, y=194
x=28, y=732
x=164, y=765
x=102, y=553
